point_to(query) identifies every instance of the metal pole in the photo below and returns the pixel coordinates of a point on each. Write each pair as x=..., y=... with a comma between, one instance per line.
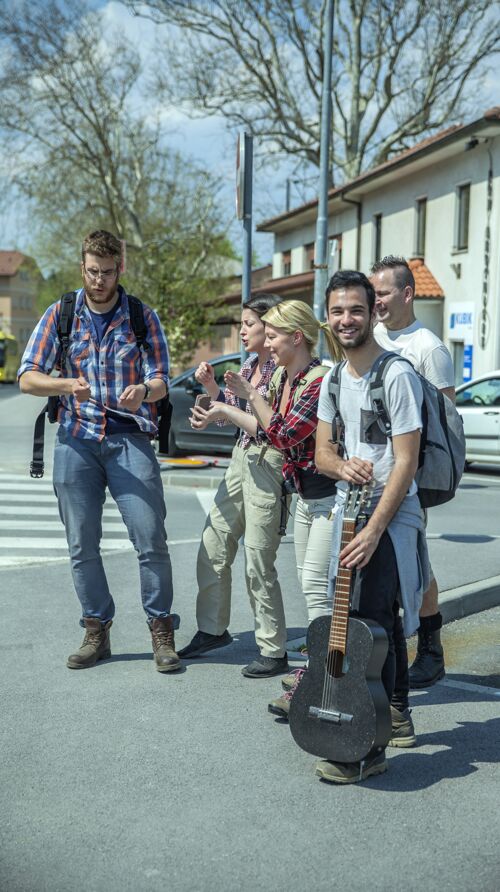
x=321, y=247
x=246, y=280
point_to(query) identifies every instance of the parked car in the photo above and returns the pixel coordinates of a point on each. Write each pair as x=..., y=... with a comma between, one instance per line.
x=478, y=402
x=183, y=391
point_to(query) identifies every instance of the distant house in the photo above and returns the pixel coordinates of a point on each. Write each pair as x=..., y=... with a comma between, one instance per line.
x=19, y=285
x=437, y=204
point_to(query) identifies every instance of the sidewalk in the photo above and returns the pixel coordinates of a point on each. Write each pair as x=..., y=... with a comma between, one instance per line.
x=468, y=576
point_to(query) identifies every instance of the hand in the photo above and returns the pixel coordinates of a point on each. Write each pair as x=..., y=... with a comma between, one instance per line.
x=200, y=418
x=205, y=374
x=357, y=470
x=80, y=389
x=238, y=385
x=360, y=549
x=132, y=397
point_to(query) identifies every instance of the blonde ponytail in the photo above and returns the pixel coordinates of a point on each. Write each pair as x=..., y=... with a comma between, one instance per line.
x=334, y=348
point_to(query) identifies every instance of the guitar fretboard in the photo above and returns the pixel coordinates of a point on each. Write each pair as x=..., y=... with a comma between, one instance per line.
x=340, y=616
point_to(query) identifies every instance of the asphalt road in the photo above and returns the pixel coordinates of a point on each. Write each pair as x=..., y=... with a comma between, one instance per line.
x=119, y=778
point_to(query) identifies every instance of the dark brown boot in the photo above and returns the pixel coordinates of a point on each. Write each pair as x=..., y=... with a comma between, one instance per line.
x=95, y=645
x=162, y=636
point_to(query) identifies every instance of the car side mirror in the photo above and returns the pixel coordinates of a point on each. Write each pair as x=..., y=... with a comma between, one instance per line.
x=192, y=385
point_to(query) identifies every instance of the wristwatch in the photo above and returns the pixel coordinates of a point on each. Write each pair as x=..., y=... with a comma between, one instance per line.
x=147, y=389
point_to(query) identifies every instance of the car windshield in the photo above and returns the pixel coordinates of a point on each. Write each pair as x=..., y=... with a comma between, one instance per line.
x=484, y=393
x=2, y=353
x=220, y=369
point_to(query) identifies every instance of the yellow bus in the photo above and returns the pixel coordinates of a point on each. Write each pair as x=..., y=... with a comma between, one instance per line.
x=9, y=358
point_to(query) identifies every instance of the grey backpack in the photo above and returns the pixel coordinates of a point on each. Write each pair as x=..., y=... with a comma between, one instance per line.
x=441, y=458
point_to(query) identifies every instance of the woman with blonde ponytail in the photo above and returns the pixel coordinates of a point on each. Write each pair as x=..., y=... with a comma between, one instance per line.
x=288, y=421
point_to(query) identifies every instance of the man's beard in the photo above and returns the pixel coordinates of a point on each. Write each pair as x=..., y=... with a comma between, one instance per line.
x=359, y=339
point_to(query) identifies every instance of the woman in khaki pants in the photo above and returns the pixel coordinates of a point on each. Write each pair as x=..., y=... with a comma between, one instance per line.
x=288, y=421
x=249, y=502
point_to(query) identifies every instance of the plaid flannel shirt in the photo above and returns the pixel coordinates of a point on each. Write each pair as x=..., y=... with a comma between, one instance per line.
x=225, y=396
x=109, y=369
x=294, y=431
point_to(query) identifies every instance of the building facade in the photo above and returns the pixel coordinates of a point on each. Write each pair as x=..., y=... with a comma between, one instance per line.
x=438, y=205
x=19, y=285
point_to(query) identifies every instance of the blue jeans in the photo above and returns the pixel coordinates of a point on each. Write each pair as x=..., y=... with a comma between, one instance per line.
x=125, y=463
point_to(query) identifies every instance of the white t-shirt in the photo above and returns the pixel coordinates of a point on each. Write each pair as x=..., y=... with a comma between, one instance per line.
x=423, y=348
x=403, y=393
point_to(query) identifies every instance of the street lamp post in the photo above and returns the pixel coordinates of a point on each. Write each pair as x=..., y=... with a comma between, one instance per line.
x=321, y=246
x=244, y=186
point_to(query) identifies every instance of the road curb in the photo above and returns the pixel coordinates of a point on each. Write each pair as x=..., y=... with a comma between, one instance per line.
x=468, y=599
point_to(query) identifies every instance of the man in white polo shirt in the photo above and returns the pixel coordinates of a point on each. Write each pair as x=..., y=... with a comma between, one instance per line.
x=399, y=331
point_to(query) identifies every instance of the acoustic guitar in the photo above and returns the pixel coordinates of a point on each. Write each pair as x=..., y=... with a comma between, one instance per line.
x=340, y=710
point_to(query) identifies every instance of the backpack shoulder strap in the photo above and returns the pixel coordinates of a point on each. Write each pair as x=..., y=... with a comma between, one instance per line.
x=65, y=323
x=334, y=383
x=274, y=384
x=137, y=321
x=334, y=392
x=377, y=393
x=311, y=375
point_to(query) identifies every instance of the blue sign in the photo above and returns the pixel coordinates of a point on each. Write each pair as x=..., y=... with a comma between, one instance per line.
x=467, y=367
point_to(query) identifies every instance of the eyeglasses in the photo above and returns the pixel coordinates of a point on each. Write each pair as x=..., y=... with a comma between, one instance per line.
x=96, y=274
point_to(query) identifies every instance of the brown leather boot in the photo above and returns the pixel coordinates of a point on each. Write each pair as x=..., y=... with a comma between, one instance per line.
x=95, y=645
x=162, y=635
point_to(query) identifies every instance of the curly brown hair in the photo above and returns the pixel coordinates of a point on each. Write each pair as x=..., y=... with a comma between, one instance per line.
x=103, y=244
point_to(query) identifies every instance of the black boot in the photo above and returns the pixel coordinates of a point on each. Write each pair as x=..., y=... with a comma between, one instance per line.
x=428, y=665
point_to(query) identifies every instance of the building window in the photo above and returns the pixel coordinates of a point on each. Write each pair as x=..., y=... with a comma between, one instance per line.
x=377, y=237
x=287, y=263
x=334, y=253
x=421, y=227
x=309, y=249
x=463, y=199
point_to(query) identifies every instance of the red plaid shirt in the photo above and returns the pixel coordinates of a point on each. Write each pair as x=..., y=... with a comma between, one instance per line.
x=294, y=431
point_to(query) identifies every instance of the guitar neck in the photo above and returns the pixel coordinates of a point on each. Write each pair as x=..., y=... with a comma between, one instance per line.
x=340, y=616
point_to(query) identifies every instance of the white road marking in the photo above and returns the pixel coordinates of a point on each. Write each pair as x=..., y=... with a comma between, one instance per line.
x=206, y=498
x=468, y=686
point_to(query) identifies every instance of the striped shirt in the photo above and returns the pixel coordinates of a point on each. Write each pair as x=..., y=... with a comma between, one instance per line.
x=225, y=396
x=108, y=368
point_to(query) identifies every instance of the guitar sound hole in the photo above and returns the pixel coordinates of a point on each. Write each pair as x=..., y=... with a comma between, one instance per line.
x=334, y=663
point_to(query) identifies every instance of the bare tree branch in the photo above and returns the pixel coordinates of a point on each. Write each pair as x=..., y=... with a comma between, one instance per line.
x=402, y=69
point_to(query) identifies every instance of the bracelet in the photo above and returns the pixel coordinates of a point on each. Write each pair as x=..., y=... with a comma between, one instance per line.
x=147, y=390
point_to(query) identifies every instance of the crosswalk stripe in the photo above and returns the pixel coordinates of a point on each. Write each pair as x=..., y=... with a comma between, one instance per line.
x=47, y=511
x=41, y=544
x=54, y=525
x=21, y=487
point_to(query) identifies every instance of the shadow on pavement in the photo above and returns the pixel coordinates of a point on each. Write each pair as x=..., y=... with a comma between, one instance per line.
x=467, y=744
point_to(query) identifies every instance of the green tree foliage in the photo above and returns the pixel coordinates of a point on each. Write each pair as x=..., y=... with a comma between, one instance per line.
x=89, y=155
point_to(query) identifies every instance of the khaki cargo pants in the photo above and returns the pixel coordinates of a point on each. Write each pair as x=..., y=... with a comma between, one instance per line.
x=247, y=503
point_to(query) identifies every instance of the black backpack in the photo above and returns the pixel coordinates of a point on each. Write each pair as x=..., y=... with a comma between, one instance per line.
x=138, y=323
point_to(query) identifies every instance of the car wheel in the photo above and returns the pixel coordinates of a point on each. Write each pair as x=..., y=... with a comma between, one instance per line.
x=173, y=450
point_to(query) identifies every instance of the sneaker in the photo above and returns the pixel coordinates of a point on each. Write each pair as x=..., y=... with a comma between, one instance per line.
x=265, y=667
x=203, y=642
x=281, y=706
x=288, y=681
x=351, y=772
x=403, y=732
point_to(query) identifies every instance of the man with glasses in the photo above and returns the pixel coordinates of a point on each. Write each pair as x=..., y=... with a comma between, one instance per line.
x=107, y=389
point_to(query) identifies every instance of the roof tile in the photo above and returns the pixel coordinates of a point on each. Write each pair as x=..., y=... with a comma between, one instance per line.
x=425, y=283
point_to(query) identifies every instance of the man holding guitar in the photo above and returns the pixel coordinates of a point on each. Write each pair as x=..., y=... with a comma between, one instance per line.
x=388, y=554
